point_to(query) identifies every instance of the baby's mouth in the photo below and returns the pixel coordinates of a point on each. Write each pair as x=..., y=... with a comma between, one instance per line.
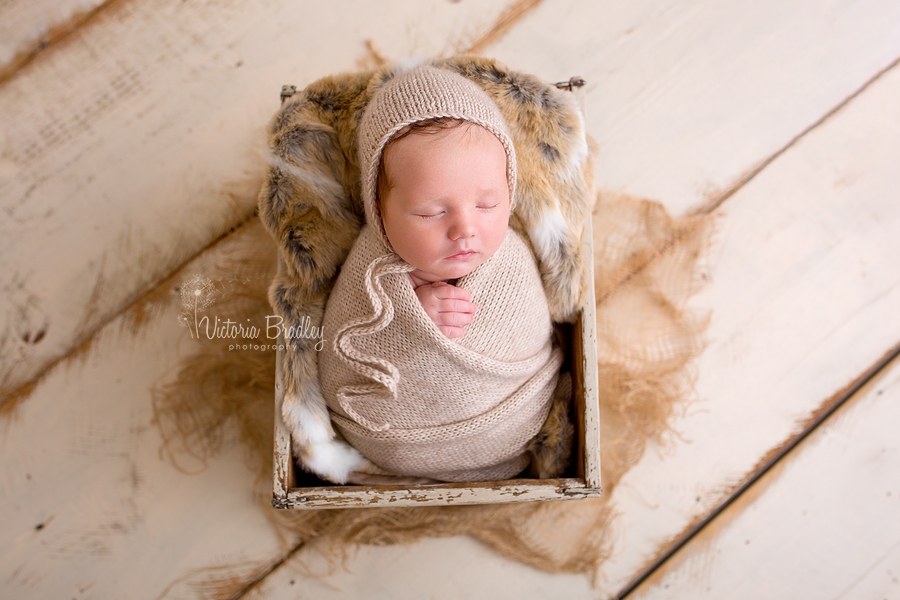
x=464, y=254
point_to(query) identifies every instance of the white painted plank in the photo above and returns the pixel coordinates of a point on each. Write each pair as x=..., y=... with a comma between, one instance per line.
x=26, y=25
x=684, y=98
x=456, y=568
x=804, y=297
x=801, y=232
x=193, y=96
x=126, y=150
x=880, y=580
x=756, y=276
x=90, y=509
x=825, y=524
x=803, y=88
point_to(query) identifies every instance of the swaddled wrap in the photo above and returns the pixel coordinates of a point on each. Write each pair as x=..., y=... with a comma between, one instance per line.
x=417, y=403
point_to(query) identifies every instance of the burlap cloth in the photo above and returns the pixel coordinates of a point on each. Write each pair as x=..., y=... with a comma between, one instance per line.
x=646, y=269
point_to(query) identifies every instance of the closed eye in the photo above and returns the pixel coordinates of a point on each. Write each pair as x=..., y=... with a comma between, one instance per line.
x=429, y=216
x=488, y=207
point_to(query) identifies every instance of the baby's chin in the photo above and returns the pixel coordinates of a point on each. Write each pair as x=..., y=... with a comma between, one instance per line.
x=436, y=275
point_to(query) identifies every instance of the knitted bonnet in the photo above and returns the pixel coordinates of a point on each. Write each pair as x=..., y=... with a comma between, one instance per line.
x=421, y=93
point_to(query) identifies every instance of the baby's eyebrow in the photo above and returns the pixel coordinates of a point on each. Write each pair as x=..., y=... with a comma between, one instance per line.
x=493, y=191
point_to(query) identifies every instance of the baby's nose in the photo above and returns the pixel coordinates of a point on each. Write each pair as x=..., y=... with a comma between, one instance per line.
x=462, y=230
x=463, y=227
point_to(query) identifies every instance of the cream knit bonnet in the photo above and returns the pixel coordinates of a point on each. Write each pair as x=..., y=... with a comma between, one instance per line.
x=424, y=92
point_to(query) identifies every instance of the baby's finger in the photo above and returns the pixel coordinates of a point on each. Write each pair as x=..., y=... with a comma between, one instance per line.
x=445, y=291
x=456, y=306
x=452, y=332
x=454, y=319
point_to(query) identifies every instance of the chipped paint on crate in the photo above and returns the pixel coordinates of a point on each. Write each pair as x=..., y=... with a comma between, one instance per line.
x=514, y=490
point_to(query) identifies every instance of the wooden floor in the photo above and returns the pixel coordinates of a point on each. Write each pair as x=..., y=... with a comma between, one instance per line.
x=124, y=120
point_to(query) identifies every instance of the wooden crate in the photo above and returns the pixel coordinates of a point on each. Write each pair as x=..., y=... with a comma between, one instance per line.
x=294, y=489
x=298, y=490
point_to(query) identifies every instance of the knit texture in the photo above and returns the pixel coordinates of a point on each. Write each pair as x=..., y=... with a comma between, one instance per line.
x=415, y=402
x=421, y=93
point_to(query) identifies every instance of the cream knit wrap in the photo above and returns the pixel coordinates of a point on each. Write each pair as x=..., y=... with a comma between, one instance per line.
x=415, y=402
x=411, y=400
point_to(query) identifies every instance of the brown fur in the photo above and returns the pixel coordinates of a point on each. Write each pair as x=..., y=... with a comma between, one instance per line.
x=551, y=448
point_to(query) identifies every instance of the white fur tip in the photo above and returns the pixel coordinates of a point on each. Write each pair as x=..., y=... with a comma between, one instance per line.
x=308, y=420
x=317, y=181
x=333, y=460
x=549, y=232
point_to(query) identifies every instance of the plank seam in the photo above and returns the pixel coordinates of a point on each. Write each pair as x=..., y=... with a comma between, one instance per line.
x=51, y=38
x=749, y=176
x=509, y=17
x=715, y=204
x=8, y=401
x=269, y=569
x=842, y=399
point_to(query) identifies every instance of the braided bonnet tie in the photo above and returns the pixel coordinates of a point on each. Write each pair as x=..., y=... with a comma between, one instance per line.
x=376, y=369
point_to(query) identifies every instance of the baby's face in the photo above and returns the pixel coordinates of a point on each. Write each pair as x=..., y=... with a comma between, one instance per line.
x=447, y=208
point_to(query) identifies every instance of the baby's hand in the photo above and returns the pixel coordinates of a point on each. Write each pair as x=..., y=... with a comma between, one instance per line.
x=450, y=307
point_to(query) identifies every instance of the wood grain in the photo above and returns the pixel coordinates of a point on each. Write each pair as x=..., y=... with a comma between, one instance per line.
x=804, y=292
x=823, y=524
x=116, y=147
x=136, y=143
x=29, y=28
x=90, y=507
x=684, y=98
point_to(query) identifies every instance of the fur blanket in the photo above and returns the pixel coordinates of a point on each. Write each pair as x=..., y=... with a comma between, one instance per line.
x=310, y=204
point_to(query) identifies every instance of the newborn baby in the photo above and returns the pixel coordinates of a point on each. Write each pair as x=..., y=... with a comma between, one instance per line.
x=440, y=360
